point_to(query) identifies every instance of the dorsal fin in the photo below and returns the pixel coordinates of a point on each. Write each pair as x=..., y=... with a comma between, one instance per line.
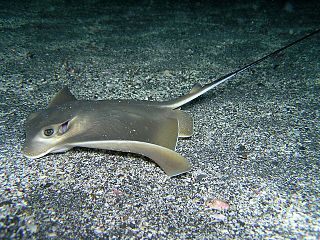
x=196, y=88
x=63, y=96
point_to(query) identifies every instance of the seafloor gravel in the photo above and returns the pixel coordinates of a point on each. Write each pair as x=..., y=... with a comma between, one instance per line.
x=255, y=151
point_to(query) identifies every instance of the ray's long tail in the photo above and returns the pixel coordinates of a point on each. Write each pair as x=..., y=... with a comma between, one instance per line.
x=198, y=90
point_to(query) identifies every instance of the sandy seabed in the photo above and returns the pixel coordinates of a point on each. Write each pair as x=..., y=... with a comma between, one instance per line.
x=255, y=146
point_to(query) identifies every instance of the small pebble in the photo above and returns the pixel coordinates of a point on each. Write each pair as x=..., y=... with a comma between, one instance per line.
x=217, y=204
x=52, y=234
x=219, y=217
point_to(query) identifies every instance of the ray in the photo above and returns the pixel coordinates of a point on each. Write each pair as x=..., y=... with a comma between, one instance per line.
x=143, y=127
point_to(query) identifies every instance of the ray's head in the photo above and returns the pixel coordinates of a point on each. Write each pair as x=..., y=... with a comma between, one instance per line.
x=48, y=131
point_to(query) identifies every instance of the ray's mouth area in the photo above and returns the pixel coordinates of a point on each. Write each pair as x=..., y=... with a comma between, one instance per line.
x=26, y=151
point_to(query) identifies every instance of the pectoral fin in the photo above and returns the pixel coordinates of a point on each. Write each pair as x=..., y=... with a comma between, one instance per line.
x=169, y=161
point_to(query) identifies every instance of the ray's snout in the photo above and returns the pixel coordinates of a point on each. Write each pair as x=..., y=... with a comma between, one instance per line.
x=30, y=151
x=33, y=147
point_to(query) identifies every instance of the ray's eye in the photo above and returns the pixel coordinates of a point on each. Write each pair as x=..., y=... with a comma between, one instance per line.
x=48, y=132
